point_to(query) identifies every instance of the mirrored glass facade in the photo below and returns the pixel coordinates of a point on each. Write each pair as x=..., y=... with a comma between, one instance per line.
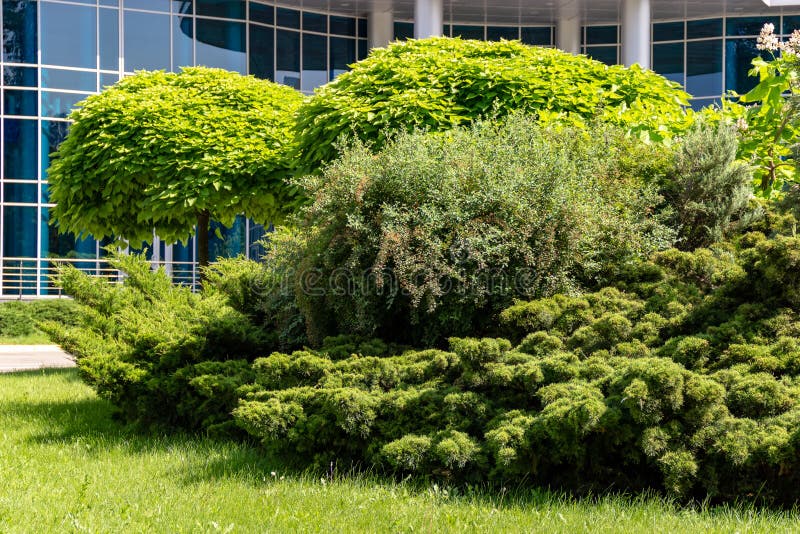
x=57, y=52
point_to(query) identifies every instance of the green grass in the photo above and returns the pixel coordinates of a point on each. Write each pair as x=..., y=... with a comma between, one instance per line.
x=65, y=466
x=37, y=338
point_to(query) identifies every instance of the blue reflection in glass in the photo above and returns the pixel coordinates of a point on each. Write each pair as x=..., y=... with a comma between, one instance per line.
x=287, y=18
x=668, y=61
x=602, y=35
x=19, y=232
x=262, y=13
x=342, y=54
x=605, y=54
x=343, y=26
x=107, y=80
x=541, y=36
x=53, y=134
x=468, y=32
x=182, y=42
x=69, y=35
x=704, y=68
x=19, y=31
x=287, y=59
x=791, y=24
x=59, y=105
x=362, y=27
x=363, y=49
x=19, y=149
x=227, y=9
x=315, y=22
x=20, y=76
x=262, y=52
x=315, y=61
x=55, y=245
x=69, y=79
x=495, y=33
x=22, y=193
x=403, y=30
x=146, y=41
x=20, y=102
x=699, y=29
x=668, y=31
x=149, y=5
x=221, y=44
x=740, y=26
x=739, y=55
x=109, y=39
x=700, y=103
x=232, y=242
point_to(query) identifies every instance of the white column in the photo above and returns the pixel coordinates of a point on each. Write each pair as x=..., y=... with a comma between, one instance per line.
x=380, y=28
x=428, y=18
x=568, y=34
x=636, y=42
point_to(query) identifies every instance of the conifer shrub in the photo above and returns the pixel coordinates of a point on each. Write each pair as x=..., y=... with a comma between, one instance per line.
x=162, y=355
x=439, y=83
x=683, y=376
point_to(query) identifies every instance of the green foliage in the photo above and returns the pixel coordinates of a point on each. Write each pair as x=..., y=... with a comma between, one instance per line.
x=707, y=187
x=161, y=354
x=19, y=319
x=437, y=233
x=440, y=83
x=158, y=149
x=685, y=377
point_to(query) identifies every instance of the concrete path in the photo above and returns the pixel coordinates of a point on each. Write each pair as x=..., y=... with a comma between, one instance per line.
x=33, y=357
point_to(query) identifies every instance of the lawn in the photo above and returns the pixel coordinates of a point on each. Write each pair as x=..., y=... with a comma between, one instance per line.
x=65, y=465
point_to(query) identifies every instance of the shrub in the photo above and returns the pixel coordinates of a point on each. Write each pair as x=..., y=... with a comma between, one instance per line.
x=161, y=354
x=440, y=83
x=19, y=319
x=704, y=400
x=436, y=234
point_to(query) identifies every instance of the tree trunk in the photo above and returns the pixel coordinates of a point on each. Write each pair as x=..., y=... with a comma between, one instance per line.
x=203, y=221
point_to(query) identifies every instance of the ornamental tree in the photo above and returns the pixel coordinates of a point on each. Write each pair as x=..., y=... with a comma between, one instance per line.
x=439, y=83
x=171, y=151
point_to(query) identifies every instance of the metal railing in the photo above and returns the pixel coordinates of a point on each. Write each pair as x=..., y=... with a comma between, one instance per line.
x=29, y=277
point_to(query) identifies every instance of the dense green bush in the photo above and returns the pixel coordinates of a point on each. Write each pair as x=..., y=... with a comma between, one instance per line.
x=437, y=233
x=683, y=377
x=160, y=353
x=440, y=83
x=19, y=319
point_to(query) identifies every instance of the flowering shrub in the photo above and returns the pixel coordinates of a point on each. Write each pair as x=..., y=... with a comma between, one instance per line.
x=684, y=377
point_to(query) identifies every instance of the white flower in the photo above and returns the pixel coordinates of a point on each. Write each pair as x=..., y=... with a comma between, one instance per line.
x=767, y=40
x=273, y=473
x=741, y=124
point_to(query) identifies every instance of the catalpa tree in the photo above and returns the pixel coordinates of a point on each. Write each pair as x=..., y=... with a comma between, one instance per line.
x=171, y=151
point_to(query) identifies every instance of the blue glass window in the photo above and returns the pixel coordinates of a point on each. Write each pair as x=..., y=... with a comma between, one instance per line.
x=146, y=41
x=362, y=49
x=362, y=27
x=262, y=13
x=468, y=32
x=20, y=102
x=53, y=134
x=605, y=54
x=602, y=35
x=288, y=18
x=262, y=52
x=19, y=31
x=20, y=76
x=149, y=5
x=342, y=54
x=182, y=42
x=109, y=39
x=21, y=193
x=228, y=9
x=232, y=242
x=315, y=22
x=109, y=3
x=704, y=68
x=699, y=29
x=537, y=36
x=315, y=61
x=182, y=7
x=495, y=33
x=668, y=31
x=668, y=61
x=742, y=26
x=258, y=233
x=19, y=149
x=19, y=232
x=69, y=35
x=403, y=30
x=59, y=105
x=69, y=79
x=287, y=59
x=790, y=24
x=739, y=54
x=55, y=245
x=343, y=26
x=221, y=44
x=108, y=79
x=700, y=103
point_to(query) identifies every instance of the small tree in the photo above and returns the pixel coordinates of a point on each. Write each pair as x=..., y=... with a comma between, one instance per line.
x=171, y=151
